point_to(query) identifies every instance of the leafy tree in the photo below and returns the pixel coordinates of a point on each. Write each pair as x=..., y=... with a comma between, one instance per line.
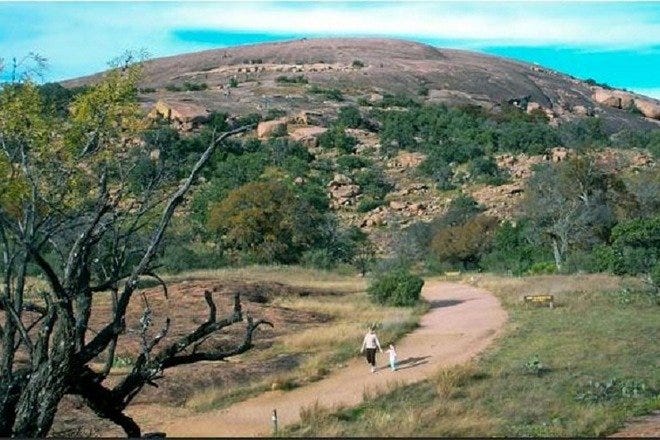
x=466, y=243
x=572, y=203
x=266, y=222
x=635, y=247
x=514, y=249
x=69, y=216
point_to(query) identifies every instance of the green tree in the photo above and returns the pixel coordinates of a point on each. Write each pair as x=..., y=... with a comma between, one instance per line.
x=573, y=204
x=464, y=245
x=266, y=222
x=69, y=217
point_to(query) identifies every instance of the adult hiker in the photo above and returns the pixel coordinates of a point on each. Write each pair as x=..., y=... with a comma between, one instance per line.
x=370, y=344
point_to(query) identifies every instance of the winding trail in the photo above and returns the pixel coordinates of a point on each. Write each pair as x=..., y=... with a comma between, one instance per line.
x=463, y=321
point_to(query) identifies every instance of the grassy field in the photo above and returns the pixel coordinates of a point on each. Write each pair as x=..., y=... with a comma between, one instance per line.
x=321, y=347
x=580, y=369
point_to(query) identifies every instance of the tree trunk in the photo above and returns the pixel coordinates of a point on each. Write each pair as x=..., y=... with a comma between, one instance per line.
x=46, y=384
x=556, y=253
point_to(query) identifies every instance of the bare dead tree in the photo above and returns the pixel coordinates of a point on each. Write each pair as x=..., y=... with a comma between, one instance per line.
x=71, y=229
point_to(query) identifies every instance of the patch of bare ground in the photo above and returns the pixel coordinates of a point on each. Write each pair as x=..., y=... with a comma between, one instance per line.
x=187, y=308
x=648, y=426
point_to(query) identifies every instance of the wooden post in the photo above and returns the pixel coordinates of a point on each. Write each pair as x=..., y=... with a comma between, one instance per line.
x=274, y=419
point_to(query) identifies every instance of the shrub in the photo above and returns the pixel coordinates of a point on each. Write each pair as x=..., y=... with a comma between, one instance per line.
x=397, y=288
x=173, y=88
x=368, y=204
x=373, y=182
x=194, y=87
x=543, y=268
x=357, y=64
x=484, y=169
x=274, y=113
x=351, y=162
x=336, y=137
x=299, y=79
x=331, y=94
x=349, y=117
x=233, y=82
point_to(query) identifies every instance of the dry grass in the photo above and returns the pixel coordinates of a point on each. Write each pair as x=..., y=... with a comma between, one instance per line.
x=291, y=275
x=320, y=347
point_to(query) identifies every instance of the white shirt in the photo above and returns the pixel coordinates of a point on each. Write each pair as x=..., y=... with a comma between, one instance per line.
x=392, y=353
x=371, y=341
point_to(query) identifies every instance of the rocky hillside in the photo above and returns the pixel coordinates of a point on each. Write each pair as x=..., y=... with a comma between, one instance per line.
x=301, y=85
x=265, y=76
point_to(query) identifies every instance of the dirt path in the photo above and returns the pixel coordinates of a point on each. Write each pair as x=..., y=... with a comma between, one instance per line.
x=462, y=322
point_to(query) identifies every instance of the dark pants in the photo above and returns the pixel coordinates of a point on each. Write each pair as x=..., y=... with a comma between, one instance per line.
x=371, y=356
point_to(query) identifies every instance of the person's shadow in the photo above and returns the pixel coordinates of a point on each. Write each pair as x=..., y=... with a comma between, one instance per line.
x=437, y=303
x=410, y=362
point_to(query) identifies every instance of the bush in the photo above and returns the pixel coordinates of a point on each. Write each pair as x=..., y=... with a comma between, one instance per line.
x=331, y=94
x=351, y=162
x=299, y=79
x=398, y=288
x=336, y=137
x=233, y=82
x=357, y=64
x=349, y=117
x=484, y=169
x=368, y=204
x=194, y=87
x=542, y=268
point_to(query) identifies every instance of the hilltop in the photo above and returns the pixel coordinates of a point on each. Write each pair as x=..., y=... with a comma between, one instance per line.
x=370, y=68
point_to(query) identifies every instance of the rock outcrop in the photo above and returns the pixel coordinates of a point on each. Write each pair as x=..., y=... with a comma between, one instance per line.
x=308, y=136
x=650, y=109
x=343, y=191
x=268, y=129
x=183, y=115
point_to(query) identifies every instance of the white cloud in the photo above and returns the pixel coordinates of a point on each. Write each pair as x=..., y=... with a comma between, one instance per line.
x=535, y=23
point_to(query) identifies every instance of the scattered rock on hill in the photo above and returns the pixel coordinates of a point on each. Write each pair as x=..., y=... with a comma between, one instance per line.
x=649, y=108
x=183, y=115
x=308, y=136
x=267, y=129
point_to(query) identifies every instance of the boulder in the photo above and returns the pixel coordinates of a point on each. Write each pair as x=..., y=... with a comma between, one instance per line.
x=398, y=205
x=558, y=154
x=308, y=136
x=340, y=180
x=267, y=129
x=649, y=108
x=533, y=106
x=184, y=115
x=345, y=191
x=407, y=160
x=581, y=110
x=607, y=98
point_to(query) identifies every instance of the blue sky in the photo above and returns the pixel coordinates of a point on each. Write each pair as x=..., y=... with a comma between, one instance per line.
x=613, y=42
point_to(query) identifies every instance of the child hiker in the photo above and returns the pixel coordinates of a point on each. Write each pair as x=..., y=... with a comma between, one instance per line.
x=370, y=344
x=392, y=353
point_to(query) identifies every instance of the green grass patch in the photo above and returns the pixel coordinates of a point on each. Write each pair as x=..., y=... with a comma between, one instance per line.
x=580, y=369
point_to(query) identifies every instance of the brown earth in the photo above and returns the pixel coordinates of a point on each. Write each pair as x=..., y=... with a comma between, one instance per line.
x=643, y=427
x=462, y=322
x=187, y=309
x=390, y=66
